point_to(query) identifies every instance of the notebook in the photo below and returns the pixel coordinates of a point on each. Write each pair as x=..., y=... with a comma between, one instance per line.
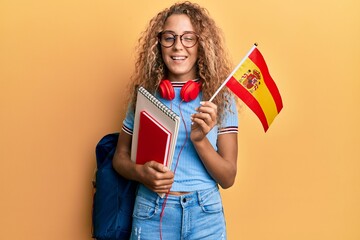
x=165, y=119
x=153, y=140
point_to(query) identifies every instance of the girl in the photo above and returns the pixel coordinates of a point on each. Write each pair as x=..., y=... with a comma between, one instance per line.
x=182, y=50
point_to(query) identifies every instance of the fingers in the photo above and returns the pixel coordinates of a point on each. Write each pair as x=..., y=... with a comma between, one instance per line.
x=206, y=114
x=160, y=188
x=158, y=177
x=203, y=118
x=158, y=170
x=158, y=166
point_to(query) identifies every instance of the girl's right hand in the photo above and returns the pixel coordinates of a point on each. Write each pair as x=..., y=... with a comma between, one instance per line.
x=156, y=176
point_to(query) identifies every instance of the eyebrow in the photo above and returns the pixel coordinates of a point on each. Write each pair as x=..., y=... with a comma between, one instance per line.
x=170, y=31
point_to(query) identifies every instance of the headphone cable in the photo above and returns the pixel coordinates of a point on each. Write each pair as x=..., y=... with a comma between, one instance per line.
x=176, y=165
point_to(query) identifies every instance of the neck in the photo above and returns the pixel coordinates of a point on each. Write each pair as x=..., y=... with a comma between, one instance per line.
x=183, y=78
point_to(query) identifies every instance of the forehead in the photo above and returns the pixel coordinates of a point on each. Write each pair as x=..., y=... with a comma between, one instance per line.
x=178, y=23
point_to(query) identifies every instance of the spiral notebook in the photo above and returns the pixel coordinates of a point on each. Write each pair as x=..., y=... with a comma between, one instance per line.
x=161, y=126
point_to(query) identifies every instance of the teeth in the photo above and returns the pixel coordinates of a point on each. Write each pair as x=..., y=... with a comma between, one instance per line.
x=178, y=58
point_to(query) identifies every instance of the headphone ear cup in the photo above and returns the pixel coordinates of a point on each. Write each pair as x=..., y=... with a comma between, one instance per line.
x=166, y=90
x=190, y=91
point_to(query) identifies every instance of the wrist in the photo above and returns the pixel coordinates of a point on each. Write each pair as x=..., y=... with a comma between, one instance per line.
x=137, y=172
x=199, y=143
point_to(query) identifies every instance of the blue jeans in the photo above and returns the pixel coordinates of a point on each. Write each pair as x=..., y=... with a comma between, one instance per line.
x=197, y=215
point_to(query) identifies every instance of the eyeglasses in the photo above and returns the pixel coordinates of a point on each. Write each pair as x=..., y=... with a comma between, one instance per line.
x=167, y=39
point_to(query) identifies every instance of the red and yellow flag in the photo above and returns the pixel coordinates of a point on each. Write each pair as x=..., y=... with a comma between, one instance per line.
x=252, y=83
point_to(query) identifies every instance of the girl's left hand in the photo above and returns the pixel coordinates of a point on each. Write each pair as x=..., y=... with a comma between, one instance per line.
x=203, y=121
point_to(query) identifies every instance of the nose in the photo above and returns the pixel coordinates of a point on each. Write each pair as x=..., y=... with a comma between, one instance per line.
x=177, y=43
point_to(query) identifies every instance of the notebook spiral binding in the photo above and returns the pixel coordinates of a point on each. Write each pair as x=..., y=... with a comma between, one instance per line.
x=158, y=104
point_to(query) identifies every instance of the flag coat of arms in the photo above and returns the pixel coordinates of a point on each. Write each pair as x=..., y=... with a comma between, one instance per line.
x=252, y=83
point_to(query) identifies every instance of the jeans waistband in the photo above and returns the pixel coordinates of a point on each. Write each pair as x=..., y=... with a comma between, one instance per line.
x=195, y=197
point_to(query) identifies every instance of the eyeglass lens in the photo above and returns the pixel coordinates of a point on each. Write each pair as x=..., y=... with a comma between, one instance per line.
x=187, y=39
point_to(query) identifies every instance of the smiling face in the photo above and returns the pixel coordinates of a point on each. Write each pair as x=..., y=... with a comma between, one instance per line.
x=180, y=61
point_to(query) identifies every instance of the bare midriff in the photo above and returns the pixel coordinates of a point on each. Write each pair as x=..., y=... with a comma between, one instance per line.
x=178, y=193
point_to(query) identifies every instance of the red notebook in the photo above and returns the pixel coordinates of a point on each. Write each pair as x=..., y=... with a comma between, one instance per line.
x=153, y=140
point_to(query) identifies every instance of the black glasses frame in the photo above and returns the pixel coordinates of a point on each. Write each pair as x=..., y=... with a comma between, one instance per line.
x=175, y=36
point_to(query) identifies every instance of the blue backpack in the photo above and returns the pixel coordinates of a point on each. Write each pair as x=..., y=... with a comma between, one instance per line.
x=114, y=198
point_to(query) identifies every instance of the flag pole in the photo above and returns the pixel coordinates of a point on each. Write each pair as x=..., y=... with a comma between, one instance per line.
x=232, y=73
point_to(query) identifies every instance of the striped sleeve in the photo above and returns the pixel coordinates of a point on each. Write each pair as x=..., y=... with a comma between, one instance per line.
x=229, y=129
x=230, y=120
x=127, y=130
x=128, y=123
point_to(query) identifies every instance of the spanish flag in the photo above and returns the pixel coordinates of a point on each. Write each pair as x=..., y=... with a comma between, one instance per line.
x=252, y=83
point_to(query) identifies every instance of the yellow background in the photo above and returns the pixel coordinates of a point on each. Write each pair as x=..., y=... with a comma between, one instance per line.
x=63, y=67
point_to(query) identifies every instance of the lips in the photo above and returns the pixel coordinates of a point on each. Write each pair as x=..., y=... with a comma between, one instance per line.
x=178, y=57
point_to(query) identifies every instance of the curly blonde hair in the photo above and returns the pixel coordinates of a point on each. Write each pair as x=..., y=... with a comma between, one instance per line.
x=213, y=63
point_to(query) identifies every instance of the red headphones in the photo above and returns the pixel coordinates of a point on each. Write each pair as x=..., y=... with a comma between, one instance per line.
x=188, y=92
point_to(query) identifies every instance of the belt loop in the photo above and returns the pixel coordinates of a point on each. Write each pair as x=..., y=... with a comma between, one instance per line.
x=157, y=202
x=199, y=198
